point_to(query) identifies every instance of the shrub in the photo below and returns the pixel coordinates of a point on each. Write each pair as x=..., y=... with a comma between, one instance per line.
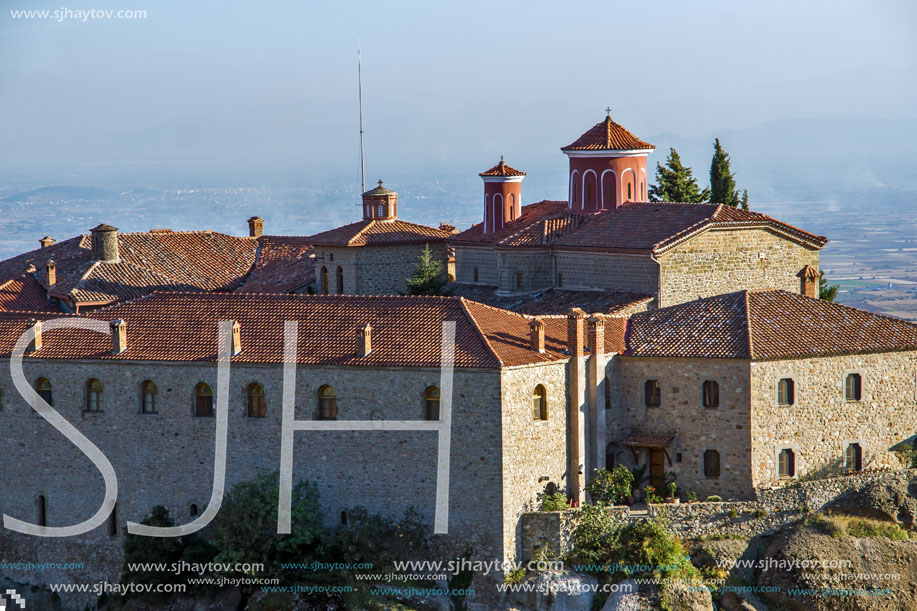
x=515, y=576
x=854, y=526
x=378, y=540
x=650, y=495
x=595, y=538
x=714, y=498
x=611, y=487
x=245, y=529
x=692, y=496
x=733, y=513
x=760, y=513
x=554, y=502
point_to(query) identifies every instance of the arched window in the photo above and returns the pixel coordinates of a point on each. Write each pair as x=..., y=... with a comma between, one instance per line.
x=609, y=190
x=43, y=388
x=257, y=407
x=711, y=394
x=93, y=396
x=340, y=279
x=327, y=404
x=853, y=457
x=192, y=510
x=652, y=393
x=203, y=401
x=148, y=393
x=853, y=387
x=113, y=521
x=431, y=403
x=540, y=403
x=324, y=287
x=630, y=187
x=786, y=463
x=589, y=200
x=42, y=510
x=575, y=191
x=512, y=206
x=642, y=189
x=711, y=463
x=786, y=392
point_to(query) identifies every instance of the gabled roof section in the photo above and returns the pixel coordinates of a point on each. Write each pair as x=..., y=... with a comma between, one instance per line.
x=765, y=325
x=538, y=224
x=553, y=301
x=646, y=227
x=23, y=293
x=607, y=135
x=376, y=233
x=407, y=331
x=283, y=265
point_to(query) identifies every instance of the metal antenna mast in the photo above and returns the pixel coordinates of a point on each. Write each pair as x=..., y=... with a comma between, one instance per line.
x=360, y=87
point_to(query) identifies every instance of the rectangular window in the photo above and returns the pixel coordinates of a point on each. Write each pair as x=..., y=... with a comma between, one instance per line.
x=652, y=393
x=711, y=463
x=711, y=394
x=853, y=387
x=560, y=279
x=786, y=392
x=475, y=274
x=786, y=463
x=518, y=280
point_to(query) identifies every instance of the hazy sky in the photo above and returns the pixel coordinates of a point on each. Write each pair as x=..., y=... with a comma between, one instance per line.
x=274, y=81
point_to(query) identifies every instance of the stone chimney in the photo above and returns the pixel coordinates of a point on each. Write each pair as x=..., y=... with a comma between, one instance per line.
x=105, y=244
x=809, y=281
x=46, y=241
x=50, y=273
x=36, y=342
x=236, y=338
x=255, y=227
x=536, y=335
x=596, y=334
x=118, y=336
x=364, y=340
x=575, y=335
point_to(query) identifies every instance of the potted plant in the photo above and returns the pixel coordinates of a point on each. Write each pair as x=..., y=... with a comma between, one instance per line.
x=639, y=474
x=649, y=494
x=670, y=490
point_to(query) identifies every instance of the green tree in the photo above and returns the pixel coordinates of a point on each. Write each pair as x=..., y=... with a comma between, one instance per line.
x=611, y=486
x=429, y=277
x=675, y=183
x=245, y=530
x=826, y=291
x=723, y=181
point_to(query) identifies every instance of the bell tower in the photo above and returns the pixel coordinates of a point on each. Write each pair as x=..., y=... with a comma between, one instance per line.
x=502, y=195
x=607, y=167
x=380, y=204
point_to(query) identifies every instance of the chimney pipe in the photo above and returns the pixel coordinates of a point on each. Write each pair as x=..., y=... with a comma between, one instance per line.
x=36, y=342
x=596, y=335
x=536, y=335
x=50, y=273
x=46, y=241
x=105, y=244
x=575, y=319
x=236, y=338
x=118, y=336
x=808, y=281
x=255, y=226
x=364, y=340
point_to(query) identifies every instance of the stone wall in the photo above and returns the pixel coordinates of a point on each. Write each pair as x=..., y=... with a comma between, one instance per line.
x=524, y=270
x=167, y=458
x=534, y=451
x=696, y=429
x=482, y=258
x=725, y=261
x=373, y=270
x=821, y=423
x=580, y=269
x=554, y=529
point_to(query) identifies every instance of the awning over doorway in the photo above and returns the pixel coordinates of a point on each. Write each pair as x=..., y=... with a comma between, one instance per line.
x=648, y=441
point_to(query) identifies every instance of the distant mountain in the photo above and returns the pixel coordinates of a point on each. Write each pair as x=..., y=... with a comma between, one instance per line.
x=59, y=193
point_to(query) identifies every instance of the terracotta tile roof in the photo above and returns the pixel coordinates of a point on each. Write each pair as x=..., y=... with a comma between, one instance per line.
x=658, y=227
x=24, y=293
x=164, y=260
x=538, y=223
x=647, y=441
x=551, y=301
x=763, y=325
x=501, y=169
x=607, y=135
x=374, y=233
x=284, y=265
x=406, y=330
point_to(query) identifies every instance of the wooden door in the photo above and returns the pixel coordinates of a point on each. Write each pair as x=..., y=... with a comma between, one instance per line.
x=657, y=470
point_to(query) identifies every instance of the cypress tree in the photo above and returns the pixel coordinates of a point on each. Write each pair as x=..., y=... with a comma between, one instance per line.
x=429, y=277
x=675, y=183
x=723, y=182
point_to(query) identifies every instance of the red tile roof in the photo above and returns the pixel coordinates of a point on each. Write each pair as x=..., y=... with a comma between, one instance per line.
x=551, y=301
x=23, y=293
x=607, y=136
x=406, y=330
x=501, y=169
x=763, y=325
x=647, y=441
x=658, y=227
x=163, y=260
x=375, y=233
x=537, y=225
